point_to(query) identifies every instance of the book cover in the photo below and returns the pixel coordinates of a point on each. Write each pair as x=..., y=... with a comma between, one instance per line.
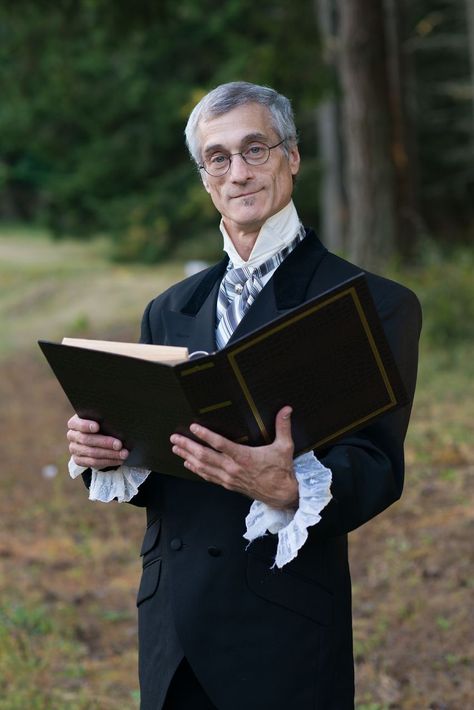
x=328, y=359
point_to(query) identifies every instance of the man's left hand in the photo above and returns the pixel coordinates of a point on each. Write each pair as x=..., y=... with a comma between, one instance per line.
x=262, y=473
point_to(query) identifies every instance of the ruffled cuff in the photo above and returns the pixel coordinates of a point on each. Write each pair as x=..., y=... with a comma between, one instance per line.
x=120, y=484
x=314, y=484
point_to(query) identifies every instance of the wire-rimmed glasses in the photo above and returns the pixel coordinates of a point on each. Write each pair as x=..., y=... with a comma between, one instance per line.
x=218, y=163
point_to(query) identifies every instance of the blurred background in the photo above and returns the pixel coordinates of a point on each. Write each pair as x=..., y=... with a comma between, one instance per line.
x=101, y=209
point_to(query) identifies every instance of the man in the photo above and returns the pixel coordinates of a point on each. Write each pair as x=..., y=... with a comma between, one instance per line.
x=223, y=623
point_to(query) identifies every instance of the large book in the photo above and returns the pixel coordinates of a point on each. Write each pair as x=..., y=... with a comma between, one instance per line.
x=328, y=358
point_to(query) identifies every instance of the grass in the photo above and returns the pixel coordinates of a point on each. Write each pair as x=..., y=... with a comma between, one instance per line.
x=50, y=289
x=32, y=644
x=69, y=569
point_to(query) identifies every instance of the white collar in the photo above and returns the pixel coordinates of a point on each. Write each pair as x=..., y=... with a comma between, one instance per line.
x=277, y=232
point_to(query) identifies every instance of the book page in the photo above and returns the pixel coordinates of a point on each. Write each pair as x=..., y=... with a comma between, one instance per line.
x=155, y=353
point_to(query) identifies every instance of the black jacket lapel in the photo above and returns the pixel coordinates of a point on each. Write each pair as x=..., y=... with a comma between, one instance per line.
x=193, y=326
x=287, y=288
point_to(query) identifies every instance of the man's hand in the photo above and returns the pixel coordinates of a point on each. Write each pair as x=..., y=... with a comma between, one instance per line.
x=263, y=473
x=91, y=449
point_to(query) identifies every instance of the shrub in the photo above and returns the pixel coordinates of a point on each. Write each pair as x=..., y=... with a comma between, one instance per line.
x=446, y=290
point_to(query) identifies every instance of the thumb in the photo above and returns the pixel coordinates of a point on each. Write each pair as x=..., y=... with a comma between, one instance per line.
x=283, y=426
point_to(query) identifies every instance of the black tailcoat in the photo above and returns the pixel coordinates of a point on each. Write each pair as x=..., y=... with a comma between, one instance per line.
x=258, y=637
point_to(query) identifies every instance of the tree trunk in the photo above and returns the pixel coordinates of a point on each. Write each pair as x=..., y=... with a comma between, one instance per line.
x=403, y=148
x=470, y=34
x=328, y=127
x=367, y=130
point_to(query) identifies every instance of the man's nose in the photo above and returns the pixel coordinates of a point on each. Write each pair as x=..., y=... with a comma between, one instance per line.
x=239, y=170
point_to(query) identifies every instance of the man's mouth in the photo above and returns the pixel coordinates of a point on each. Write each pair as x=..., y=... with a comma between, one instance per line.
x=245, y=194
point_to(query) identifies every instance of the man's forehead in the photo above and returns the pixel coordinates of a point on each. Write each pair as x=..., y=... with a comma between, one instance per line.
x=244, y=123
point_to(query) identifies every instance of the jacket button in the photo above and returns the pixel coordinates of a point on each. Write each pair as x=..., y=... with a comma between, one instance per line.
x=214, y=551
x=176, y=543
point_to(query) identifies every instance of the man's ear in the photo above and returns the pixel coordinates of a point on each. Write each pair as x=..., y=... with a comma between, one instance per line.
x=203, y=174
x=294, y=160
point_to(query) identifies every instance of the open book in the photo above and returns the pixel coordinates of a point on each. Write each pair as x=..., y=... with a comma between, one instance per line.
x=156, y=353
x=328, y=359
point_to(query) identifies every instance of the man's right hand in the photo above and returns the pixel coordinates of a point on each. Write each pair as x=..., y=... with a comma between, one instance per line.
x=89, y=448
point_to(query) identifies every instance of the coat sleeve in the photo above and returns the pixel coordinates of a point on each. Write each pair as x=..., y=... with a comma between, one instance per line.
x=368, y=466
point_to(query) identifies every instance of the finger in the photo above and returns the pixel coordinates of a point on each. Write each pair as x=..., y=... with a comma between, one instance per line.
x=96, y=440
x=98, y=464
x=195, y=464
x=203, y=469
x=218, y=442
x=187, y=448
x=283, y=427
x=209, y=465
x=85, y=425
x=97, y=452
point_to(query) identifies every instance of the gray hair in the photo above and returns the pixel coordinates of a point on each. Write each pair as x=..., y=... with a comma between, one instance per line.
x=226, y=97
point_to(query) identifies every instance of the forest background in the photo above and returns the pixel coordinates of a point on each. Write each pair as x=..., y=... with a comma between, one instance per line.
x=101, y=208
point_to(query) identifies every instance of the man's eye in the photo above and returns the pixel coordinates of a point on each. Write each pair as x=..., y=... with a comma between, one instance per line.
x=255, y=151
x=218, y=159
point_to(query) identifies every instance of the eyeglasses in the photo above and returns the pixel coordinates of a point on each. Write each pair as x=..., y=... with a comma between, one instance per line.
x=218, y=164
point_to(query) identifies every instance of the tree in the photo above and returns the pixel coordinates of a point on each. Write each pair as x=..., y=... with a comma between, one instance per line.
x=470, y=25
x=95, y=96
x=437, y=42
x=367, y=131
x=332, y=199
x=404, y=152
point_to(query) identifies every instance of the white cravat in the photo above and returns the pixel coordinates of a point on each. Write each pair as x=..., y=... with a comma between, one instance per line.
x=241, y=285
x=314, y=479
x=277, y=232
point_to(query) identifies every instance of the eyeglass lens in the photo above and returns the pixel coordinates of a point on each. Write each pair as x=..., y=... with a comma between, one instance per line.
x=256, y=154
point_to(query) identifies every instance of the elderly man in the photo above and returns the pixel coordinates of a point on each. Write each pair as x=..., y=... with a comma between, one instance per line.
x=245, y=598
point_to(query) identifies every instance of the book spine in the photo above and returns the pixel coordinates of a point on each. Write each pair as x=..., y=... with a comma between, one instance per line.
x=207, y=386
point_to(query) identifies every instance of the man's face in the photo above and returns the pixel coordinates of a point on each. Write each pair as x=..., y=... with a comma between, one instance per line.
x=246, y=196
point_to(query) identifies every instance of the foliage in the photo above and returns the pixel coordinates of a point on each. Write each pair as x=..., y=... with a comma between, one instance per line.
x=95, y=96
x=442, y=103
x=446, y=289
x=91, y=136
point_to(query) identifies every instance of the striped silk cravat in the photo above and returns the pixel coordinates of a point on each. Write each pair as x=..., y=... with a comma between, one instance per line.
x=240, y=287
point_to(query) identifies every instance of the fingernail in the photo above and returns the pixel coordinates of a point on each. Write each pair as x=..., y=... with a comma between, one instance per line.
x=194, y=428
x=123, y=454
x=93, y=427
x=117, y=445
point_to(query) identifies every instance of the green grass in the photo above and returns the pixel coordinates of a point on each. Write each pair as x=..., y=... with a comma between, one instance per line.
x=50, y=289
x=33, y=645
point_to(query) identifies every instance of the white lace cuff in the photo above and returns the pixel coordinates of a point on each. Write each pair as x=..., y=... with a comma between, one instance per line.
x=121, y=484
x=314, y=484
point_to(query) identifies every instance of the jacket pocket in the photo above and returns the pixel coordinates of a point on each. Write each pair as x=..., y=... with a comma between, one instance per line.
x=149, y=581
x=289, y=590
x=151, y=537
